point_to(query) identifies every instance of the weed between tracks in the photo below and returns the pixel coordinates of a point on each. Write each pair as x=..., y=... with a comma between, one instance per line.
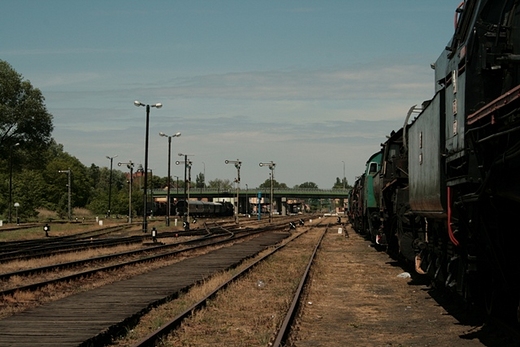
x=247, y=313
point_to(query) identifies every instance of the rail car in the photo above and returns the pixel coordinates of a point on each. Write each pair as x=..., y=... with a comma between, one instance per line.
x=371, y=201
x=355, y=204
x=448, y=184
x=204, y=208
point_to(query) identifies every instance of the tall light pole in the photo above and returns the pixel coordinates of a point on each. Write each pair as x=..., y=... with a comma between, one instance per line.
x=11, y=177
x=145, y=198
x=110, y=184
x=68, y=190
x=169, y=177
x=187, y=180
x=237, y=163
x=130, y=166
x=271, y=166
x=151, y=193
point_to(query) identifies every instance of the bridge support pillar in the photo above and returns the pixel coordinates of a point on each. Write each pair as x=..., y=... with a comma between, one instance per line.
x=281, y=204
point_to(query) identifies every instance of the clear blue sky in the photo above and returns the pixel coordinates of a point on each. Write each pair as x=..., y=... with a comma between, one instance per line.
x=306, y=84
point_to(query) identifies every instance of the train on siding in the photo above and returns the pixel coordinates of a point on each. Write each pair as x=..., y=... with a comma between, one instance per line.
x=444, y=190
x=204, y=208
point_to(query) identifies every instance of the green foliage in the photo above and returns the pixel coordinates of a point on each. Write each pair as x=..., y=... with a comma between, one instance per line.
x=220, y=184
x=308, y=185
x=341, y=184
x=276, y=185
x=24, y=119
x=200, y=180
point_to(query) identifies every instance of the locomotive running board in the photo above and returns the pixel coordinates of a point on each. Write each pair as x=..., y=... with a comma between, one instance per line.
x=503, y=100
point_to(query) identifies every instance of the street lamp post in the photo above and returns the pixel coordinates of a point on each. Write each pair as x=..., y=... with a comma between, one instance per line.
x=68, y=172
x=151, y=193
x=169, y=176
x=187, y=180
x=271, y=166
x=11, y=177
x=130, y=166
x=158, y=105
x=110, y=184
x=237, y=163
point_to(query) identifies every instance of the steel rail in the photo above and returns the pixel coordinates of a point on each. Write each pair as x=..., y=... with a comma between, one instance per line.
x=166, y=328
x=35, y=286
x=285, y=328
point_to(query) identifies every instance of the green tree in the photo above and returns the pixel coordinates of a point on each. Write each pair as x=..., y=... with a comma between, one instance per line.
x=25, y=134
x=56, y=194
x=200, y=180
x=219, y=184
x=276, y=184
x=23, y=115
x=308, y=185
x=340, y=183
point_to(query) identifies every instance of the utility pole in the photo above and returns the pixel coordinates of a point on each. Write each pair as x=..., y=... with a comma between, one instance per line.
x=237, y=163
x=271, y=166
x=69, y=192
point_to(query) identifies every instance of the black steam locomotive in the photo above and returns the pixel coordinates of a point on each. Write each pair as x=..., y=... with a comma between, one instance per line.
x=449, y=181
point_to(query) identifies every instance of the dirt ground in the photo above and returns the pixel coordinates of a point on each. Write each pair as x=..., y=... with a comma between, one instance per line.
x=361, y=297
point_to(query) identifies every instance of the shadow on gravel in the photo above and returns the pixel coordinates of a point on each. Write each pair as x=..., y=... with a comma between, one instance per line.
x=480, y=327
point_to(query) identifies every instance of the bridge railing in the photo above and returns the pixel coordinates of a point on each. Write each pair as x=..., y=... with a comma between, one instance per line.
x=287, y=192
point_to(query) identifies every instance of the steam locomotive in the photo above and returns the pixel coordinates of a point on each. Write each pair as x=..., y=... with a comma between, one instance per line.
x=443, y=190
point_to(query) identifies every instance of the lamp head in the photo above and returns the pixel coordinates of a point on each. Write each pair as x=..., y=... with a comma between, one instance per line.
x=158, y=105
x=138, y=103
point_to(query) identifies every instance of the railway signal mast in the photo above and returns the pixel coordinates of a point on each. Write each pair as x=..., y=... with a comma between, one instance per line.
x=187, y=180
x=237, y=163
x=271, y=166
x=168, y=208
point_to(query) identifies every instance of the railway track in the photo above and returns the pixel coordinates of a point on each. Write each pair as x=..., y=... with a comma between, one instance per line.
x=216, y=236
x=349, y=284
x=282, y=330
x=76, y=323
x=27, y=249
